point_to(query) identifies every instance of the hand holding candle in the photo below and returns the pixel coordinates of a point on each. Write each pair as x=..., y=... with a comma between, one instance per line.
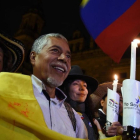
x=115, y=82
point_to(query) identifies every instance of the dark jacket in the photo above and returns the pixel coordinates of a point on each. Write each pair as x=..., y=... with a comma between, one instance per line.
x=102, y=121
x=80, y=108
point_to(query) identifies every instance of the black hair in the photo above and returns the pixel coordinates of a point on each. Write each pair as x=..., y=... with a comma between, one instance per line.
x=103, y=98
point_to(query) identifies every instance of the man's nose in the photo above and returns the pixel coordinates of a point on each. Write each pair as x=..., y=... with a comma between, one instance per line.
x=62, y=57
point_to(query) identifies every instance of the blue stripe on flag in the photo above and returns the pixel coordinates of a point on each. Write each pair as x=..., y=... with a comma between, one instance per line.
x=99, y=14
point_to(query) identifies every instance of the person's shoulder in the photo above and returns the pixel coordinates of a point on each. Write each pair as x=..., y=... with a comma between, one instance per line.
x=16, y=77
x=13, y=74
x=75, y=112
x=69, y=106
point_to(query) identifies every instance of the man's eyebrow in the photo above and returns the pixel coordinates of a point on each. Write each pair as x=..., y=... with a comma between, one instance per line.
x=61, y=48
x=69, y=52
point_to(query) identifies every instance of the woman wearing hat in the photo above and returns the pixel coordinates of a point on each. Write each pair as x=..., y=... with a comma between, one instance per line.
x=99, y=100
x=11, y=53
x=78, y=87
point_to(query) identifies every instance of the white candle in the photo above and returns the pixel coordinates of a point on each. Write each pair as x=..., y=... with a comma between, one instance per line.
x=115, y=82
x=133, y=59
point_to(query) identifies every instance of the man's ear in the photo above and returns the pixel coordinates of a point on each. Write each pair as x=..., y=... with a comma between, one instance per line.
x=102, y=102
x=32, y=57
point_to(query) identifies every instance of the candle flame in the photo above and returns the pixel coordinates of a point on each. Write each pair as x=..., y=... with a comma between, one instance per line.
x=116, y=77
x=136, y=40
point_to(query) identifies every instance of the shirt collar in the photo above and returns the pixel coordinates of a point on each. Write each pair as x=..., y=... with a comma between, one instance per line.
x=101, y=110
x=37, y=83
x=58, y=93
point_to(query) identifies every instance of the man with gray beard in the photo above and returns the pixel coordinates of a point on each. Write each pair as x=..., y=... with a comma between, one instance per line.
x=42, y=104
x=51, y=60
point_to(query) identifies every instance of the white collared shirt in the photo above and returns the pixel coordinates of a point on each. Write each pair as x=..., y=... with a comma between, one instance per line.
x=56, y=116
x=101, y=111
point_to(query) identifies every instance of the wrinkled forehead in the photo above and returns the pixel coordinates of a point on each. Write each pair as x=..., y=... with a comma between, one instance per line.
x=57, y=39
x=59, y=42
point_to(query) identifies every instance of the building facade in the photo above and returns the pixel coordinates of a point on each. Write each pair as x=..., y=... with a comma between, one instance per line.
x=93, y=61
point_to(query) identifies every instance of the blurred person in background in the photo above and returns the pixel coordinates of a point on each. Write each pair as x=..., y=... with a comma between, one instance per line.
x=11, y=53
x=99, y=100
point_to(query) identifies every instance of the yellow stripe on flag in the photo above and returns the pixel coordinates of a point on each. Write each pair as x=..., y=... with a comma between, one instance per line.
x=84, y=2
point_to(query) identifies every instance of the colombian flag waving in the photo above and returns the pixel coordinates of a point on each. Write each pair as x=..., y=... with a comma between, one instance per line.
x=113, y=24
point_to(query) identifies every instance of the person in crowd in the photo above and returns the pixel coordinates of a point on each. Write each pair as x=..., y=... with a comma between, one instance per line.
x=35, y=105
x=78, y=88
x=99, y=100
x=11, y=53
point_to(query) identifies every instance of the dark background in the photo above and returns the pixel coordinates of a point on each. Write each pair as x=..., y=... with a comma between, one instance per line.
x=61, y=16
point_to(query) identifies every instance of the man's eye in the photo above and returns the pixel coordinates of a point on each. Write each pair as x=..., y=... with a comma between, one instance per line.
x=55, y=50
x=68, y=56
x=75, y=83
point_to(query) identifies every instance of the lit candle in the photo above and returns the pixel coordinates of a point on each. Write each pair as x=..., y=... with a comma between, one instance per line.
x=115, y=82
x=133, y=58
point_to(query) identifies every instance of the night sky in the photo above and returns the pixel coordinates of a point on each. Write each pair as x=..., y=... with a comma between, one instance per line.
x=61, y=16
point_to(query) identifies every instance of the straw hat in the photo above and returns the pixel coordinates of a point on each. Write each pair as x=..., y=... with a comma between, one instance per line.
x=101, y=91
x=13, y=52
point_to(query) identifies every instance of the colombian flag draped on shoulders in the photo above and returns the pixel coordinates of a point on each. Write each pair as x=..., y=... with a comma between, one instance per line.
x=21, y=117
x=113, y=24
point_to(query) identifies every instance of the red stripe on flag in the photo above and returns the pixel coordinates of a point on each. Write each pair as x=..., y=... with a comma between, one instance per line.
x=116, y=38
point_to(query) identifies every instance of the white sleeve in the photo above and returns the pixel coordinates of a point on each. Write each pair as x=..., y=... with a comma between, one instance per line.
x=81, y=130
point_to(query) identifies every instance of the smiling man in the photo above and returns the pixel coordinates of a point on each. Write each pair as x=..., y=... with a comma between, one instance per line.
x=52, y=63
x=51, y=60
x=35, y=102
